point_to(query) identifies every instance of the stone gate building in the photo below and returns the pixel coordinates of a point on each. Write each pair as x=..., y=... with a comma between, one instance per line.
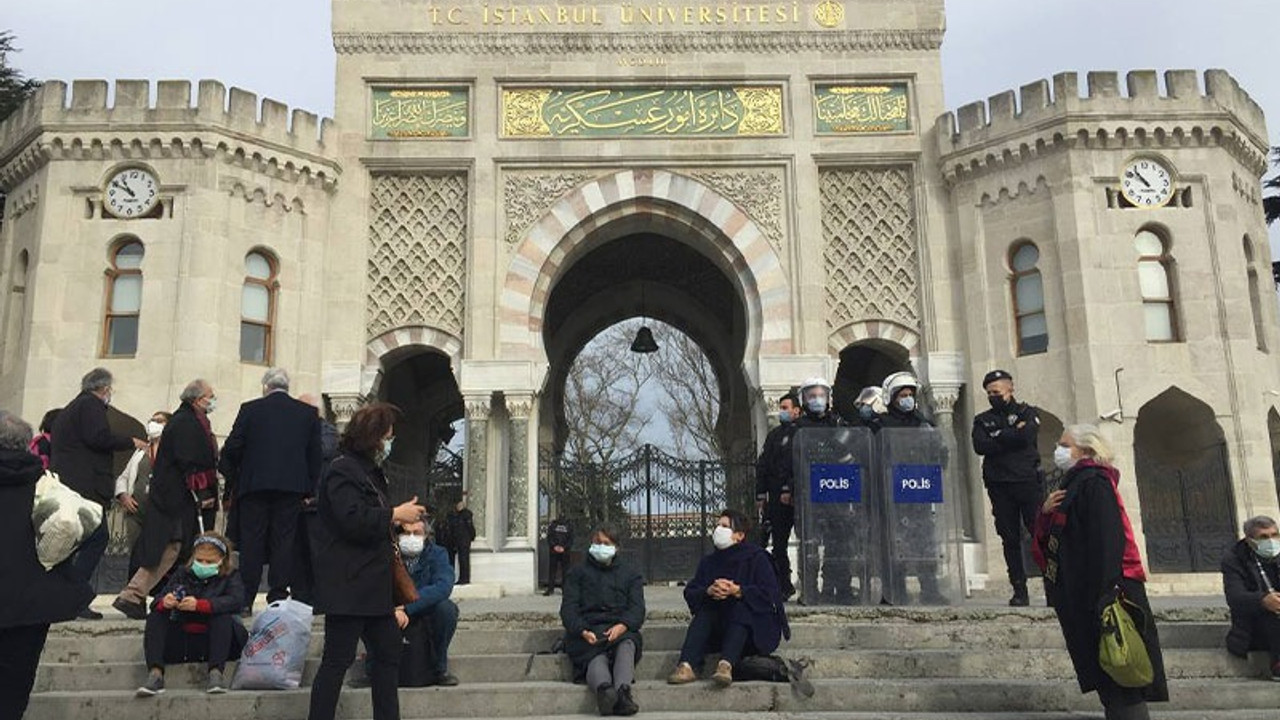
x=781, y=181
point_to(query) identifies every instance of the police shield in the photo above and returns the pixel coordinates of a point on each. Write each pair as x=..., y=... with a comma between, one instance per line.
x=920, y=532
x=834, y=517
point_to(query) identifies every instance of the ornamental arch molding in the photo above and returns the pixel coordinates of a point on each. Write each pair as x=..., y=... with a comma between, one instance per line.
x=882, y=330
x=406, y=340
x=680, y=207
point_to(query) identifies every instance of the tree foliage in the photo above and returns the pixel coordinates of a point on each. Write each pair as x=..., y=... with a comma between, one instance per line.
x=689, y=384
x=602, y=398
x=14, y=86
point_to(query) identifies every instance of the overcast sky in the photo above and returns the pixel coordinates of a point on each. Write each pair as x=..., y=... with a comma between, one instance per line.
x=282, y=48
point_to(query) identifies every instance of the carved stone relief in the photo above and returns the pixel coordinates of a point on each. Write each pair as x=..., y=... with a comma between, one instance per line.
x=758, y=192
x=527, y=196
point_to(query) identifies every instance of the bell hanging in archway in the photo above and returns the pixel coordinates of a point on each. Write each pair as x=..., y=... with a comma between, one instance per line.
x=644, y=342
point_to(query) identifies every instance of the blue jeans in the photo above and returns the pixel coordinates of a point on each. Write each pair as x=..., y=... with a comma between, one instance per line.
x=90, y=553
x=711, y=630
x=443, y=621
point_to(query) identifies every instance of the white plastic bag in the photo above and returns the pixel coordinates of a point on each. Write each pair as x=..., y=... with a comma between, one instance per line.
x=277, y=649
x=62, y=519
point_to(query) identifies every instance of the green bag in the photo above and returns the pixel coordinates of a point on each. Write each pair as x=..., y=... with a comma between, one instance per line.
x=1122, y=653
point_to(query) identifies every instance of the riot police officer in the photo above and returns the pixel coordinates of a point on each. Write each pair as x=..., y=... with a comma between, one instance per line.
x=773, y=490
x=1005, y=437
x=901, y=391
x=818, y=411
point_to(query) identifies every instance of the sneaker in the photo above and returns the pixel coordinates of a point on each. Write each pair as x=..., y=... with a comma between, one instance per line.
x=154, y=686
x=606, y=699
x=89, y=614
x=626, y=704
x=215, y=686
x=131, y=610
x=682, y=675
x=723, y=676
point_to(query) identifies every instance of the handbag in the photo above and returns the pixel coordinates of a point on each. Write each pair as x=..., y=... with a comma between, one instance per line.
x=403, y=591
x=62, y=519
x=1121, y=651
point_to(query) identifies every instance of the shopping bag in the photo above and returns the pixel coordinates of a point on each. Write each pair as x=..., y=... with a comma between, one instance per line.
x=277, y=649
x=62, y=518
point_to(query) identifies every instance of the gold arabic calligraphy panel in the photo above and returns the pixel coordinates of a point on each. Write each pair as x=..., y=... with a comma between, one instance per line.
x=414, y=113
x=719, y=111
x=849, y=109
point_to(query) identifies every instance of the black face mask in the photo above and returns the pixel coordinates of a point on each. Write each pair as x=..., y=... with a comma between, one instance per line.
x=998, y=402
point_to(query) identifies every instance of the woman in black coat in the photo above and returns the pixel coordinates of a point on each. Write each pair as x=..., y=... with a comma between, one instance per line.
x=351, y=555
x=1085, y=546
x=602, y=611
x=736, y=604
x=30, y=598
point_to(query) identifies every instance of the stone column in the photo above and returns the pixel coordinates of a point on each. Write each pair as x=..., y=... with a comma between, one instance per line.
x=476, y=465
x=521, y=468
x=343, y=406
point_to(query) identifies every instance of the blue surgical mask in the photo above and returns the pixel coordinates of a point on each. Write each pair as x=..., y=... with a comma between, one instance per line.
x=1267, y=549
x=784, y=416
x=866, y=412
x=204, y=571
x=816, y=405
x=907, y=404
x=602, y=553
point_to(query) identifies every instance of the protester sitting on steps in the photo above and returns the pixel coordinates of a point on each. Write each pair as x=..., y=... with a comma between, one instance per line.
x=736, y=604
x=432, y=619
x=195, y=618
x=1251, y=579
x=602, y=611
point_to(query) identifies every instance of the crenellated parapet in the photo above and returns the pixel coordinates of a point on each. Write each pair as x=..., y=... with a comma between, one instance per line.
x=1010, y=129
x=233, y=125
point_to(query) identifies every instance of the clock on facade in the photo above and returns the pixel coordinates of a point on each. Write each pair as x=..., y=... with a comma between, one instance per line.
x=1147, y=183
x=132, y=193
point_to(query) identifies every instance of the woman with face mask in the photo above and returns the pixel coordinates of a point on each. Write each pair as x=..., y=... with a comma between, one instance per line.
x=195, y=618
x=352, y=556
x=1251, y=578
x=602, y=611
x=132, y=483
x=736, y=605
x=1085, y=545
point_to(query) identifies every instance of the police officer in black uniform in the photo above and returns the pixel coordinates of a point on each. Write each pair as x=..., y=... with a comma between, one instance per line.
x=1005, y=437
x=773, y=489
x=559, y=545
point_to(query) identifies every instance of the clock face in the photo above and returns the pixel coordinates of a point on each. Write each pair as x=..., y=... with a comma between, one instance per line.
x=132, y=193
x=1146, y=183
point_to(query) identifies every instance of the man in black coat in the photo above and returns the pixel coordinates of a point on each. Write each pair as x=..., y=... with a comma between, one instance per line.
x=1005, y=436
x=1251, y=579
x=302, y=585
x=559, y=545
x=460, y=529
x=83, y=445
x=31, y=598
x=773, y=489
x=272, y=462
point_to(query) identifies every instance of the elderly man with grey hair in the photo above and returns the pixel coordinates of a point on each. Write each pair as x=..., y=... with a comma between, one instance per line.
x=31, y=599
x=1251, y=580
x=271, y=461
x=81, y=454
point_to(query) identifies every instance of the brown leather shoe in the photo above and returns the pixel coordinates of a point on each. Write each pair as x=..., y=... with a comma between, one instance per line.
x=723, y=676
x=682, y=675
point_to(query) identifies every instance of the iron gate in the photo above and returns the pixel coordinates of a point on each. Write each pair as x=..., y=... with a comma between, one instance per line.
x=664, y=506
x=1188, y=514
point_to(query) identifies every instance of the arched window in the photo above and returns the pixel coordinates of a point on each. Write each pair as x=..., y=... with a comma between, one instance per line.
x=124, y=300
x=257, y=308
x=1255, y=296
x=1028, y=299
x=1155, y=268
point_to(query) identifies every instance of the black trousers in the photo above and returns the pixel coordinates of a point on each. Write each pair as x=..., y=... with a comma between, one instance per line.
x=302, y=584
x=1015, y=506
x=382, y=640
x=711, y=630
x=460, y=559
x=268, y=523
x=782, y=518
x=20, y=649
x=164, y=642
x=557, y=560
x=1266, y=634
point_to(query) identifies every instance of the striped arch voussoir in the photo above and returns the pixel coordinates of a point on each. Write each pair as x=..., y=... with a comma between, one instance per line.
x=875, y=330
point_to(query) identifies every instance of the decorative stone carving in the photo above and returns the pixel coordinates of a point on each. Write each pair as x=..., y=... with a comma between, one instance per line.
x=519, y=407
x=476, y=465
x=417, y=253
x=661, y=43
x=758, y=192
x=869, y=245
x=527, y=196
x=343, y=406
x=945, y=397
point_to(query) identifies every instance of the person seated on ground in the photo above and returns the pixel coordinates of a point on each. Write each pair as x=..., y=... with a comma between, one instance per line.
x=602, y=611
x=736, y=605
x=196, y=616
x=1251, y=579
x=432, y=619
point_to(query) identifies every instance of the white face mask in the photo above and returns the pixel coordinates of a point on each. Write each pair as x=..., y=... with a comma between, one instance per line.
x=603, y=553
x=816, y=405
x=154, y=429
x=1268, y=549
x=211, y=405
x=722, y=537
x=1062, y=458
x=412, y=545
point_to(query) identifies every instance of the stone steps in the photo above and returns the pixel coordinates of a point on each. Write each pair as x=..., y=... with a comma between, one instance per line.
x=827, y=664
x=939, y=698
